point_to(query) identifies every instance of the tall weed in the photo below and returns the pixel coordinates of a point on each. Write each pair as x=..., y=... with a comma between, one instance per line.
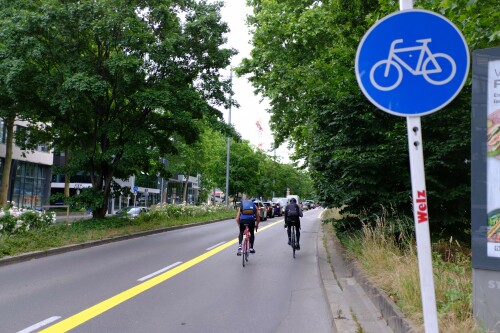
x=387, y=252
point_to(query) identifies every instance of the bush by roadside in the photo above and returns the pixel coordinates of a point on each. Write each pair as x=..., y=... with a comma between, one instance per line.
x=23, y=240
x=15, y=220
x=388, y=256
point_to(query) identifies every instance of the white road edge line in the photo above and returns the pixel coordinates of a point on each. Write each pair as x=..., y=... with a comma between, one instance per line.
x=144, y=278
x=40, y=324
x=213, y=247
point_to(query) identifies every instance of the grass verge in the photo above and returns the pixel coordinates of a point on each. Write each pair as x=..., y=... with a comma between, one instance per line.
x=58, y=235
x=393, y=266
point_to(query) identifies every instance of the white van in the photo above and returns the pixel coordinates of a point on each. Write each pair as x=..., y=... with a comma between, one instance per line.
x=296, y=198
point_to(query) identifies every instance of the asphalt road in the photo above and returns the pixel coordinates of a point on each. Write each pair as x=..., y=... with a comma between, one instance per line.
x=187, y=280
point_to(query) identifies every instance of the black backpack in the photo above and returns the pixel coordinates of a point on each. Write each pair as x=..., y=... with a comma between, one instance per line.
x=293, y=210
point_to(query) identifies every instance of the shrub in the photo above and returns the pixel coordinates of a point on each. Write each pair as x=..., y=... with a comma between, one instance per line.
x=7, y=224
x=169, y=210
x=16, y=220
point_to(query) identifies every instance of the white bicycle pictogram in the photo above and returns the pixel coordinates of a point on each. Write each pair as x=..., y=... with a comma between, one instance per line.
x=425, y=59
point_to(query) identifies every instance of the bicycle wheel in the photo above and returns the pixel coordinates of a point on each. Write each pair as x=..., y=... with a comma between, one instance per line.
x=439, y=69
x=293, y=240
x=386, y=75
x=247, y=254
x=244, y=249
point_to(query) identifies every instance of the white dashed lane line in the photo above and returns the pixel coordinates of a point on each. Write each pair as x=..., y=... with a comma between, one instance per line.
x=213, y=247
x=144, y=278
x=41, y=324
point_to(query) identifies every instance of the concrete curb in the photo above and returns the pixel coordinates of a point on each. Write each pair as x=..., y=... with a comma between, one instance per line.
x=339, y=308
x=388, y=311
x=40, y=254
x=351, y=307
x=394, y=317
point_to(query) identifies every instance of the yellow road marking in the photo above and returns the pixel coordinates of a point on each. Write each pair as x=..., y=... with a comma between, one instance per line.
x=96, y=310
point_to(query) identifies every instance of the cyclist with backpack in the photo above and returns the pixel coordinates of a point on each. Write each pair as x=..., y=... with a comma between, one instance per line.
x=293, y=213
x=247, y=215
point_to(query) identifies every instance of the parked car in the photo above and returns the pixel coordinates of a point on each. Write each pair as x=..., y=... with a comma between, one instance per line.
x=269, y=208
x=277, y=209
x=133, y=212
x=261, y=210
x=306, y=204
x=283, y=202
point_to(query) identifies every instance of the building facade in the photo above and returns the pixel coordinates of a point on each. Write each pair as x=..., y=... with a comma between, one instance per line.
x=30, y=171
x=145, y=190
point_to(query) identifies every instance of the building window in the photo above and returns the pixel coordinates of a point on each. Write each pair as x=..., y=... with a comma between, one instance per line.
x=43, y=147
x=29, y=185
x=3, y=132
x=22, y=134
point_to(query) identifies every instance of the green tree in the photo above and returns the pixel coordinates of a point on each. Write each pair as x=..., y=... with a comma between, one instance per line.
x=215, y=150
x=202, y=156
x=244, y=170
x=276, y=178
x=123, y=78
x=303, y=62
x=18, y=101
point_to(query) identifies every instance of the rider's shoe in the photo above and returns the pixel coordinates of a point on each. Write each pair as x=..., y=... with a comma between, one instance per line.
x=289, y=242
x=252, y=251
x=297, y=247
x=239, y=251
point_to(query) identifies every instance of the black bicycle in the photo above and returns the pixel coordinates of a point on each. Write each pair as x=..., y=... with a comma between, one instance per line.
x=293, y=240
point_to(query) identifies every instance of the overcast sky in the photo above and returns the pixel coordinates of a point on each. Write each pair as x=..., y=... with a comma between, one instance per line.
x=251, y=108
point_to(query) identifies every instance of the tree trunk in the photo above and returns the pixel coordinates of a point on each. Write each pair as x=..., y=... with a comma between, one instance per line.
x=9, y=125
x=184, y=194
x=100, y=213
x=105, y=184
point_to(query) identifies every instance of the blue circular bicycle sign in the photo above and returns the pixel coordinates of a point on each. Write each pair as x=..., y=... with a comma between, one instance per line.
x=412, y=63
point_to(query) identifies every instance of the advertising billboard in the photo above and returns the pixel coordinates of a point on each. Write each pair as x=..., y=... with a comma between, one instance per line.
x=486, y=159
x=485, y=187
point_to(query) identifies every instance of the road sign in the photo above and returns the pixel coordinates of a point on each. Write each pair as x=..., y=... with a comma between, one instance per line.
x=412, y=62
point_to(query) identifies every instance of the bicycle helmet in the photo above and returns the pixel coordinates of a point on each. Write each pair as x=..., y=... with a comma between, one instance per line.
x=293, y=200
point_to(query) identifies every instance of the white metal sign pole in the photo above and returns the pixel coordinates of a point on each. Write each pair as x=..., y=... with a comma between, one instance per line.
x=420, y=215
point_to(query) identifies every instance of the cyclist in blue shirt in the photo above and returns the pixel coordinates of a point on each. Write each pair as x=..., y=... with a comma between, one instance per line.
x=247, y=214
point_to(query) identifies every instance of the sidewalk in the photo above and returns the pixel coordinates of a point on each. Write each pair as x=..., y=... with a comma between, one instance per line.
x=73, y=217
x=356, y=305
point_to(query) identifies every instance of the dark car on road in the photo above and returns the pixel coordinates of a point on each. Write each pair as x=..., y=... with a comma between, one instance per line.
x=278, y=211
x=261, y=209
x=269, y=209
x=306, y=205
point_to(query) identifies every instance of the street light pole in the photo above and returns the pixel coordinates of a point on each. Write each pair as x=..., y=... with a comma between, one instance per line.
x=228, y=143
x=162, y=185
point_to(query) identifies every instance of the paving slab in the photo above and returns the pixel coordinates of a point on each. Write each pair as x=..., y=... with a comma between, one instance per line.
x=356, y=304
